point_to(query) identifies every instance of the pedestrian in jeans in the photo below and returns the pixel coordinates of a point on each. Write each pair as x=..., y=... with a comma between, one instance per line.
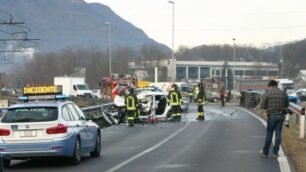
x=275, y=101
x=221, y=89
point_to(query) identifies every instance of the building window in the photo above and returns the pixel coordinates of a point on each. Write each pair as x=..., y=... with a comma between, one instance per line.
x=213, y=72
x=205, y=72
x=180, y=73
x=217, y=72
x=272, y=73
x=249, y=73
x=261, y=73
x=238, y=72
x=193, y=73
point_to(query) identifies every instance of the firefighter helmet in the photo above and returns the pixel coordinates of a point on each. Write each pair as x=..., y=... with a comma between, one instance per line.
x=174, y=86
x=131, y=90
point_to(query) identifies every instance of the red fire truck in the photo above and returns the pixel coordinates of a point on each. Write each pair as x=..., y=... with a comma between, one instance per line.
x=113, y=85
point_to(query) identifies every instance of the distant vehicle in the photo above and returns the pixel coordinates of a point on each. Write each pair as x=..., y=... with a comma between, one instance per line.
x=97, y=93
x=73, y=86
x=47, y=128
x=211, y=96
x=300, y=94
x=113, y=85
x=286, y=84
x=8, y=91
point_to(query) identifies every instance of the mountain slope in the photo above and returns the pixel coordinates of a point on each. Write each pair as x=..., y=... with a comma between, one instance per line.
x=74, y=23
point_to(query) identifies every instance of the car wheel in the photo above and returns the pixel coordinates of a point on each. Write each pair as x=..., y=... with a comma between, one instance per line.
x=6, y=163
x=97, y=151
x=76, y=158
x=215, y=99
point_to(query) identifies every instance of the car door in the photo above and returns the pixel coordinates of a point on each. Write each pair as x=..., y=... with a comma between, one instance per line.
x=91, y=127
x=80, y=125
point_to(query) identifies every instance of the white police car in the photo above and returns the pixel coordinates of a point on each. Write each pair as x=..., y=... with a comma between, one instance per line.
x=48, y=128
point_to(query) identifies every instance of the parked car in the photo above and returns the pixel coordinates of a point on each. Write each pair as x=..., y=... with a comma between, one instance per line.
x=48, y=128
x=211, y=96
x=97, y=93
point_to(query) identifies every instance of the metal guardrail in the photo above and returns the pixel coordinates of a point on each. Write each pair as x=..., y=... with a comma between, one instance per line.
x=298, y=117
x=106, y=112
x=252, y=99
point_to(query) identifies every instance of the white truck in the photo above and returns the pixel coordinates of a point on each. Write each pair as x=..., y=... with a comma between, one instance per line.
x=73, y=86
x=286, y=84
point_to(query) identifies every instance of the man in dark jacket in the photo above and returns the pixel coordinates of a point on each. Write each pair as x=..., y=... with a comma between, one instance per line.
x=275, y=101
x=221, y=89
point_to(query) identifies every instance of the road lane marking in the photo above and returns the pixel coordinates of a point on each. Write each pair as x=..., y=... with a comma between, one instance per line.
x=174, y=166
x=282, y=160
x=147, y=150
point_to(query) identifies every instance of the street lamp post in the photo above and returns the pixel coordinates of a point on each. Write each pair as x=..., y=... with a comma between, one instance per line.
x=234, y=66
x=109, y=47
x=172, y=52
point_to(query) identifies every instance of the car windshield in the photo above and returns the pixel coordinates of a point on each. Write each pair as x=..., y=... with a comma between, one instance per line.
x=32, y=114
x=289, y=86
x=82, y=87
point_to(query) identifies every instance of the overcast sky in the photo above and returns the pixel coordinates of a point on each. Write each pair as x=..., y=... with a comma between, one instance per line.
x=197, y=22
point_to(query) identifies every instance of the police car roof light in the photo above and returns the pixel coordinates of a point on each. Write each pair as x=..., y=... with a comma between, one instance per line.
x=23, y=98
x=62, y=96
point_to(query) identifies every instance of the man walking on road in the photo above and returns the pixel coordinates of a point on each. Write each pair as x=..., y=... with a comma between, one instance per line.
x=275, y=101
x=221, y=89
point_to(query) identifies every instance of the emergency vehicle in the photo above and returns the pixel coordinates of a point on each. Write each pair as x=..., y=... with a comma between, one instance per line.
x=43, y=128
x=113, y=85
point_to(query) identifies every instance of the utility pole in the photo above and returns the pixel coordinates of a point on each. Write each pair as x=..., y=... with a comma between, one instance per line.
x=172, y=52
x=109, y=47
x=234, y=66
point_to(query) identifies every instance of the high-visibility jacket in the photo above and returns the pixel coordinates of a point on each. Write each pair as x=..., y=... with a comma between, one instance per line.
x=190, y=93
x=175, y=97
x=131, y=102
x=196, y=90
x=201, y=98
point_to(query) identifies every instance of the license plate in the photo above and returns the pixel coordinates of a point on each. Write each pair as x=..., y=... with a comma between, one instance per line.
x=28, y=133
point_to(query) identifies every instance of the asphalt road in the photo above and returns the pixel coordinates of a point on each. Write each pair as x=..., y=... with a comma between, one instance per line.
x=228, y=140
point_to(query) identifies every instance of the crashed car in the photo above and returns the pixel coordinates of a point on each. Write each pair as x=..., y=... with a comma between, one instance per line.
x=154, y=105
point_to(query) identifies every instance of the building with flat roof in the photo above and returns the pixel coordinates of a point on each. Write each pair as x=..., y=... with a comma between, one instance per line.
x=197, y=70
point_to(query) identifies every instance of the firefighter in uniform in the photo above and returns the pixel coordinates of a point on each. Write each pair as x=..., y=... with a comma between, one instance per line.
x=131, y=104
x=175, y=99
x=196, y=90
x=201, y=100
